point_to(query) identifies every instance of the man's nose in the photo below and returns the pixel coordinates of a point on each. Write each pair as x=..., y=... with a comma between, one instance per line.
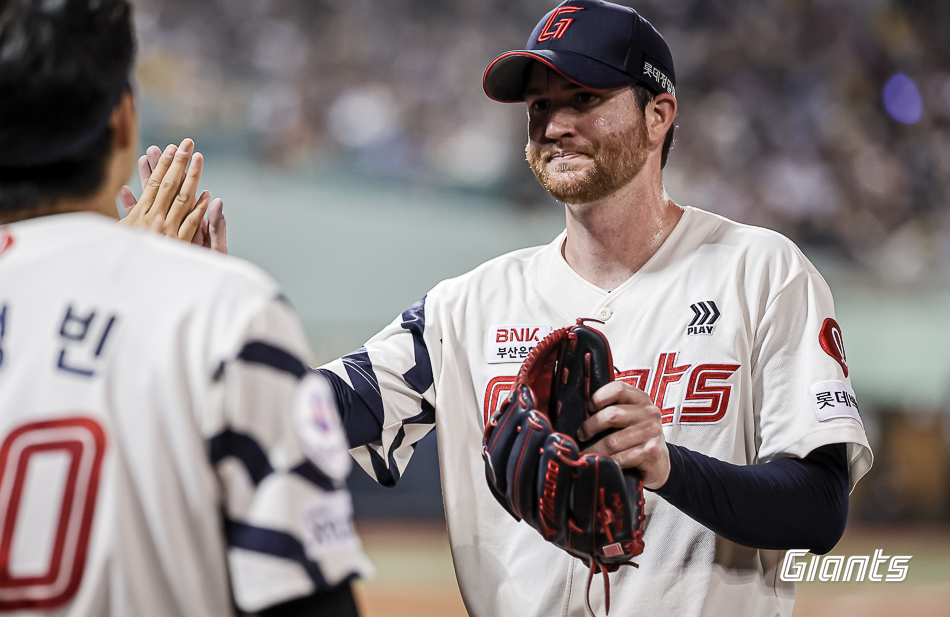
x=560, y=124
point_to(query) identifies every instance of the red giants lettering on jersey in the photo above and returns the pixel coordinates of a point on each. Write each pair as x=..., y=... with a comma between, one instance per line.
x=706, y=398
x=496, y=392
x=666, y=373
x=716, y=397
x=833, y=343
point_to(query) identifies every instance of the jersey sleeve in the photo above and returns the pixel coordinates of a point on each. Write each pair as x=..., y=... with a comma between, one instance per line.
x=281, y=459
x=386, y=391
x=802, y=392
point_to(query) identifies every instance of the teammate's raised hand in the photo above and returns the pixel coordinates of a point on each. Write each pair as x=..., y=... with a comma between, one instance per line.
x=638, y=439
x=168, y=202
x=211, y=232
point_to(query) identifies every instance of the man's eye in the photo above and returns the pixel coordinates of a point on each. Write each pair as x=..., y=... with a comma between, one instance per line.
x=584, y=98
x=539, y=106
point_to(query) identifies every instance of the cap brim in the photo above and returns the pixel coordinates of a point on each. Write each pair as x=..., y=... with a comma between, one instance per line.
x=504, y=79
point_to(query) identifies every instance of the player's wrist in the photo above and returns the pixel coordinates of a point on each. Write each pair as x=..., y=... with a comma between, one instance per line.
x=668, y=480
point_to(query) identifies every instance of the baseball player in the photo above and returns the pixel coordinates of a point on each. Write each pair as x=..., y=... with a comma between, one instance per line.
x=733, y=400
x=163, y=448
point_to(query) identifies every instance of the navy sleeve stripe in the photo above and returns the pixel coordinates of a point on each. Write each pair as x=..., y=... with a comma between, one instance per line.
x=359, y=369
x=244, y=448
x=419, y=377
x=359, y=423
x=275, y=543
x=309, y=472
x=259, y=352
x=387, y=476
x=426, y=416
x=355, y=362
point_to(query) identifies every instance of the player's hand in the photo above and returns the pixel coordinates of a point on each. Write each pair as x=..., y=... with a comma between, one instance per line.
x=638, y=441
x=211, y=232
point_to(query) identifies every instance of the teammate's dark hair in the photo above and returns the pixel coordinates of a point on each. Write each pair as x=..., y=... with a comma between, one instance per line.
x=64, y=65
x=644, y=96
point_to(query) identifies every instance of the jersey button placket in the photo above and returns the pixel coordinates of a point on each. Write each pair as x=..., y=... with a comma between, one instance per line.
x=605, y=313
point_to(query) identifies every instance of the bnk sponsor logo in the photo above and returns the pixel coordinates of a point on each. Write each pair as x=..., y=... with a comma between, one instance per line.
x=836, y=568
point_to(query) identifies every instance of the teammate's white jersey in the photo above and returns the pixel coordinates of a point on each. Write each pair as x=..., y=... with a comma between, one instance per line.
x=728, y=327
x=151, y=399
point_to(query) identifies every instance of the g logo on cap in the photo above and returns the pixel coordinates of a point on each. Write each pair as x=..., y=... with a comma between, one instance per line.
x=559, y=27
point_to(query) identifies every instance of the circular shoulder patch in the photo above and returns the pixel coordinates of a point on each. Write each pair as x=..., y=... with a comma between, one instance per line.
x=319, y=429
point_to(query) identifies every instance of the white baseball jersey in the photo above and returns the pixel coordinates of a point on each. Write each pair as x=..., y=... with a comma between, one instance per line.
x=730, y=330
x=156, y=418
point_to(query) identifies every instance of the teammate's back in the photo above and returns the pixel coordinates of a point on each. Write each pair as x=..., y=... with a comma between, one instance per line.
x=163, y=448
x=131, y=365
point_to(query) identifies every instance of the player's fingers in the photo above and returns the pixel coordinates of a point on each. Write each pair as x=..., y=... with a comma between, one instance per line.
x=185, y=197
x=621, y=440
x=621, y=417
x=153, y=153
x=145, y=169
x=168, y=188
x=147, y=162
x=154, y=183
x=218, y=227
x=202, y=237
x=192, y=222
x=617, y=393
x=127, y=199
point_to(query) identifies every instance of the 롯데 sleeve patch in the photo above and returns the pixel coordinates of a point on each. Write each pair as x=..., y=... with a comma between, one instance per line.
x=835, y=399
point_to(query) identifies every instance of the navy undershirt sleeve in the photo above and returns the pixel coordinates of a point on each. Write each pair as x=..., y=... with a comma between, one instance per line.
x=359, y=423
x=785, y=504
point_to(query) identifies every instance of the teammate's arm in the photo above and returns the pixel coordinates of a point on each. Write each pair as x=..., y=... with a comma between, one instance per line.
x=385, y=391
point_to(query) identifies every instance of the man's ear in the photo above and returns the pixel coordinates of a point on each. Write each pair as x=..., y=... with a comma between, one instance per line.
x=660, y=115
x=124, y=123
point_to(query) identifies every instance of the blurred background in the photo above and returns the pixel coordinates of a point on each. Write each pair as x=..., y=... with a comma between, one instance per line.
x=360, y=163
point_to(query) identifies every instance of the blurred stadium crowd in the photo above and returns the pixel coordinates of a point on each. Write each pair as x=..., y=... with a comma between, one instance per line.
x=828, y=120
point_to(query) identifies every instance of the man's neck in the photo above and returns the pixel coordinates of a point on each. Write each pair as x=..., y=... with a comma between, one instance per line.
x=99, y=204
x=609, y=241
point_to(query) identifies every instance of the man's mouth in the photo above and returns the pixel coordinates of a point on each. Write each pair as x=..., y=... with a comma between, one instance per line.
x=563, y=156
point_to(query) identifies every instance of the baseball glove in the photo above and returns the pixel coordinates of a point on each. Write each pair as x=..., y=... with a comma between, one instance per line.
x=583, y=503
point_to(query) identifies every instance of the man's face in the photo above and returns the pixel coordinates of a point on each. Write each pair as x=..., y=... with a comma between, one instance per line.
x=583, y=144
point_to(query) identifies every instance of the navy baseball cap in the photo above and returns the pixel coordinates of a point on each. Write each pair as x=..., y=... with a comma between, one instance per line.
x=596, y=44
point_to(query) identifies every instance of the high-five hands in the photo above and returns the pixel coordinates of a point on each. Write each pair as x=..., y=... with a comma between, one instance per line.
x=169, y=204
